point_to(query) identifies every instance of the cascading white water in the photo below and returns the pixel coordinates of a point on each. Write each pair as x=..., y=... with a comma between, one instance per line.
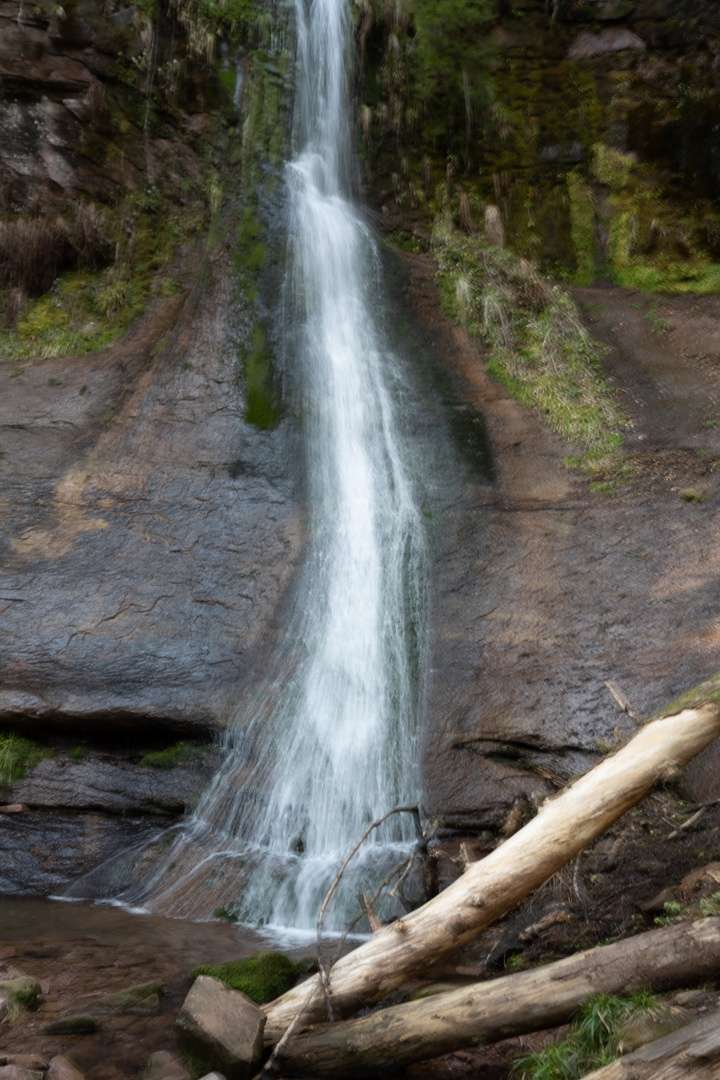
x=337, y=747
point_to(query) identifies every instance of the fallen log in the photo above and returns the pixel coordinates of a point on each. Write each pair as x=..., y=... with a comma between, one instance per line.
x=564, y=826
x=692, y=1053
x=393, y=1038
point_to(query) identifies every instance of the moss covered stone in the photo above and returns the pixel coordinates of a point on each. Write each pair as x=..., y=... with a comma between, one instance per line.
x=262, y=978
x=23, y=991
x=136, y=998
x=72, y=1025
x=708, y=691
x=172, y=756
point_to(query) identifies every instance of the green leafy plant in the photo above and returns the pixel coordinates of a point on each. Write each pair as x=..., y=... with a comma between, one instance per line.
x=658, y=323
x=672, y=909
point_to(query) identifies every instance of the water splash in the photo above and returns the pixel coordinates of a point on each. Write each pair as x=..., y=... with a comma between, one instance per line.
x=335, y=745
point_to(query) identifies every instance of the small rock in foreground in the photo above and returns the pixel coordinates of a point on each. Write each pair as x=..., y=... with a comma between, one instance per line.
x=221, y=1028
x=165, y=1066
x=62, y=1068
x=16, y=1072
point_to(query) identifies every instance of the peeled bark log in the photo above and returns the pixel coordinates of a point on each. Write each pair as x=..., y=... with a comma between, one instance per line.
x=548, y=996
x=692, y=1053
x=564, y=827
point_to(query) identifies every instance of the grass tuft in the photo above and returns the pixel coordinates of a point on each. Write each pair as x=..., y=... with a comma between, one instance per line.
x=17, y=755
x=593, y=1041
x=539, y=349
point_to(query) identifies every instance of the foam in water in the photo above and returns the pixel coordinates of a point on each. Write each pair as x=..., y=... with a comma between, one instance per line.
x=335, y=747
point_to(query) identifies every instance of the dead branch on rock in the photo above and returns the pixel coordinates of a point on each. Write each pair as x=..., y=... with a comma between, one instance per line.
x=323, y=969
x=622, y=700
x=564, y=826
x=393, y=1038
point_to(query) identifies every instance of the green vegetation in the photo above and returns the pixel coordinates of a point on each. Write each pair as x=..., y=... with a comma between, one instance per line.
x=134, y=998
x=693, y=495
x=86, y=309
x=228, y=913
x=179, y=754
x=658, y=323
x=18, y=755
x=197, y=1065
x=259, y=404
x=676, y=909
x=262, y=978
x=71, y=1025
x=22, y=991
x=611, y=167
x=78, y=753
x=593, y=1040
x=694, y=698
x=539, y=349
x=449, y=58
x=582, y=227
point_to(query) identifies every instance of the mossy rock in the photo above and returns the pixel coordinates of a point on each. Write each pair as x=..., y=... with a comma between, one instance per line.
x=179, y=754
x=708, y=691
x=262, y=978
x=143, y=998
x=71, y=1025
x=23, y=991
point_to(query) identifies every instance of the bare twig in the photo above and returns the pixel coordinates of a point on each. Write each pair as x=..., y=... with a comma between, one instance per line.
x=367, y=909
x=691, y=821
x=576, y=886
x=292, y=1027
x=621, y=700
x=323, y=970
x=372, y=901
x=397, y=887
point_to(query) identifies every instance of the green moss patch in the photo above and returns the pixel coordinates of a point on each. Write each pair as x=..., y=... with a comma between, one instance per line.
x=179, y=754
x=72, y=1025
x=136, y=998
x=708, y=691
x=262, y=978
x=18, y=755
x=23, y=991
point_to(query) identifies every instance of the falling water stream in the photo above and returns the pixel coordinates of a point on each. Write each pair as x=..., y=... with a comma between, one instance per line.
x=334, y=747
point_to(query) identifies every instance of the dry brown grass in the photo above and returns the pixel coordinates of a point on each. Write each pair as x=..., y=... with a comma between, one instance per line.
x=34, y=250
x=88, y=235
x=32, y=253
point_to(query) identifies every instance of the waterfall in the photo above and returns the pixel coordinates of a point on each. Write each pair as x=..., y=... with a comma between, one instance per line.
x=336, y=744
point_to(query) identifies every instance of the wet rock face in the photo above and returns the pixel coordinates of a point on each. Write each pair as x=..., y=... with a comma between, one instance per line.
x=148, y=531
x=542, y=589
x=222, y=1027
x=70, y=121
x=109, y=783
x=42, y=852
